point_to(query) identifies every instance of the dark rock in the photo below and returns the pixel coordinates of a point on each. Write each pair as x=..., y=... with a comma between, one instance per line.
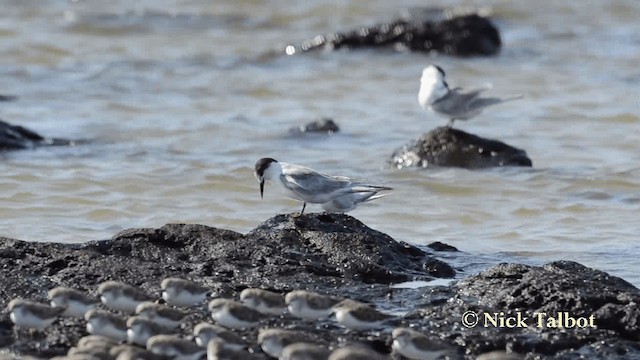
x=560, y=287
x=7, y=97
x=14, y=137
x=320, y=126
x=445, y=146
x=439, y=268
x=330, y=253
x=438, y=246
x=334, y=254
x=466, y=35
x=340, y=245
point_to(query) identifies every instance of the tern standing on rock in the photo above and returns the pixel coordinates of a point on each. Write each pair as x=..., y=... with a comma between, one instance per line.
x=304, y=184
x=454, y=104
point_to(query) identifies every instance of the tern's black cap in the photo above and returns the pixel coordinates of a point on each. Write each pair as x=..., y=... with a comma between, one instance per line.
x=440, y=69
x=262, y=165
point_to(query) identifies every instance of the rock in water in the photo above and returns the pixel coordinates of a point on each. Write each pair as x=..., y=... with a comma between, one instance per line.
x=14, y=137
x=7, y=97
x=450, y=147
x=323, y=126
x=466, y=35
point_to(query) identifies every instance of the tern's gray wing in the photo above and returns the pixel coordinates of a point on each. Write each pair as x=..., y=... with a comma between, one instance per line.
x=309, y=184
x=458, y=103
x=471, y=93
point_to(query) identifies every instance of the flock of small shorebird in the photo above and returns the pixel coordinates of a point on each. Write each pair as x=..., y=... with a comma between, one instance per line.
x=150, y=331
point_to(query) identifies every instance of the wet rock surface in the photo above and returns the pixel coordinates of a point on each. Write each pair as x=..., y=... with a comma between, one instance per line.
x=450, y=147
x=14, y=137
x=465, y=35
x=334, y=254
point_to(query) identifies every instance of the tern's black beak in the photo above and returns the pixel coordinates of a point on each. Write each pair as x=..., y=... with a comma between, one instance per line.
x=262, y=189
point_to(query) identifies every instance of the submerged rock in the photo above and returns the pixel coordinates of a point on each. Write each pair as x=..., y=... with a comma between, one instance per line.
x=333, y=254
x=465, y=35
x=445, y=146
x=14, y=137
x=321, y=126
x=7, y=97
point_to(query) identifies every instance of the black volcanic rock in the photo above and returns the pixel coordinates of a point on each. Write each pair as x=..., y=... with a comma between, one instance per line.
x=14, y=137
x=561, y=286
x=341, y=246
x=450, y=147
x=465, y=35
x=555, y=289
x=330, y=253
x=334, y=254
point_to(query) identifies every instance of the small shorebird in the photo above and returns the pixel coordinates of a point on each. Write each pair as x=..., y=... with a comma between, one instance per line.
x=174, y=347
x=140, y=329
x=161, y=314
x=122, y=297
x=265, y=301
x=218, y=350
x=205, y=332
x=358, y=316
x=181, y=292
x=101, y=322
x=305, y=351
x=32, y=315
x=75, y=302
x=310, y=305
x=414, y=345
x=273, y=341
x=234, y=315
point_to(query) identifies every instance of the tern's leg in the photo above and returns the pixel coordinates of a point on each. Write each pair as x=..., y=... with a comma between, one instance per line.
x=450, y=124
x=304, y=205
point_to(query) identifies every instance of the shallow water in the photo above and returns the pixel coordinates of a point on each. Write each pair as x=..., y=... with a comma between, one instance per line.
x=179, y=101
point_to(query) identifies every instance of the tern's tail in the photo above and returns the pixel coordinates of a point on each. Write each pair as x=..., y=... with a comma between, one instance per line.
x=514, y=97
x=481, y=103
x=376, y=196
x=369, y=188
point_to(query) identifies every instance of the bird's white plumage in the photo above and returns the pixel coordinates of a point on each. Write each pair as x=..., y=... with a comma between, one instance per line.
x=432, y=86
